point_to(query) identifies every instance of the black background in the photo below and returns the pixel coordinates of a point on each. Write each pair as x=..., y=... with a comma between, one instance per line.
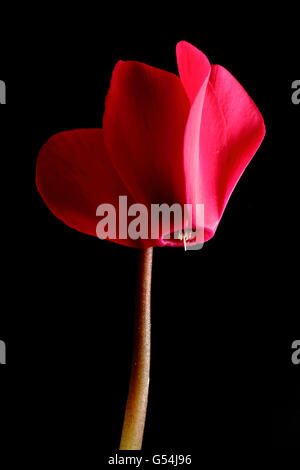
x=224, y=318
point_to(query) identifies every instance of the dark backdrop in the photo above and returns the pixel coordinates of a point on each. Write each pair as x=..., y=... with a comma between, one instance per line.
x=224, y=318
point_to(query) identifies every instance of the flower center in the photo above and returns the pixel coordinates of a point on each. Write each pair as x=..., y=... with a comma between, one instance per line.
x=185, y=236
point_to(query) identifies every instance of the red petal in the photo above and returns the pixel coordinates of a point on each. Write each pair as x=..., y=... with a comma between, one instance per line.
x=223, y=133
x=245, y=131
x=205, y=140
x=194, y=68
x=74, y=176
x=144, y=122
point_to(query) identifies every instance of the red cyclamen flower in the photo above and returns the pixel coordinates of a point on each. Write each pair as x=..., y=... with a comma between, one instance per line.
x=165, y=139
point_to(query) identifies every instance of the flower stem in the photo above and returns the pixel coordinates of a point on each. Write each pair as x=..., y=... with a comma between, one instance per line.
x=136, y=409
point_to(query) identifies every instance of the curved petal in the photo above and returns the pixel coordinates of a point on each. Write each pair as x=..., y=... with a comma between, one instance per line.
x=245, y=131
x=205, y=137
x=144, y=121
x=223, y=133
x=74, y=176
x=194, y=68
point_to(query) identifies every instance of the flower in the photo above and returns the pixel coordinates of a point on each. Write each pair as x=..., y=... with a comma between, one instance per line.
x=165, y=139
